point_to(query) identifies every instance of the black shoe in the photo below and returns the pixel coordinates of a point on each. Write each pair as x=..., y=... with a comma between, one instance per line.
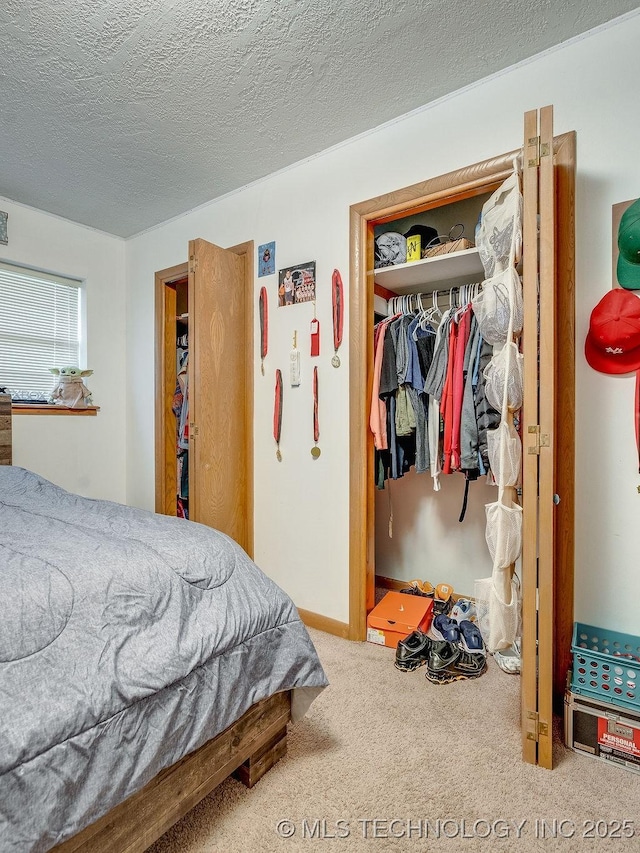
x=460, y=666
x=412, y=651
x=442, y=655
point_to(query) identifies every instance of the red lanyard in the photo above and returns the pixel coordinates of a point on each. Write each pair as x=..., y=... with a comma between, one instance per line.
x=315, y=450
x=264, y=326
x=277, y=413
x=637, y=417
x=338, y=314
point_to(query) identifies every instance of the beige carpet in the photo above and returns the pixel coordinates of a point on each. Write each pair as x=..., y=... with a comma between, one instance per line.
x=383, y=745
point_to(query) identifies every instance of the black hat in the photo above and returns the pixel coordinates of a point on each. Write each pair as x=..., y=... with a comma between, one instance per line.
x=427, y=235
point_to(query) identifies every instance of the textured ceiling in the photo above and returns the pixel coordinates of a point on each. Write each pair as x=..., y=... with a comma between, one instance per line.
x=122, y=114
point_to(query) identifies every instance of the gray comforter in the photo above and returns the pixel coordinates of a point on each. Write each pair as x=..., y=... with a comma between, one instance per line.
x=127, y=640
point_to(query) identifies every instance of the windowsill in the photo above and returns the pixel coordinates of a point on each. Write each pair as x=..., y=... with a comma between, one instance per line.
x=35, y=409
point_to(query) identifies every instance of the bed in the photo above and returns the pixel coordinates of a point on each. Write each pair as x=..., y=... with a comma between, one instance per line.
x=143, y=659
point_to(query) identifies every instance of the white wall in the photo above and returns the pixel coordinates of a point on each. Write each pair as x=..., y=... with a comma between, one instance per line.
x=83, y=454
x=301, y=522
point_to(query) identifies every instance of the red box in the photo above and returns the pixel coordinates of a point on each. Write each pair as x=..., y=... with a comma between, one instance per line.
x=396, y=616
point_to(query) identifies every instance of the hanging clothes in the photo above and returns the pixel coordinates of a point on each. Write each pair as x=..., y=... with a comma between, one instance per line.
x=428, y=407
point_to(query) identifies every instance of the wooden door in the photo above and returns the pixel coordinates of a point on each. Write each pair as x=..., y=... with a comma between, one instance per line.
x=221, y=389
x=548, y=532
x=548, y=428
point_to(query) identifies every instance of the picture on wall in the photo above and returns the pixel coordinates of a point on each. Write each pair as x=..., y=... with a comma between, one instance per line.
x=297, y=284
x=267, y=259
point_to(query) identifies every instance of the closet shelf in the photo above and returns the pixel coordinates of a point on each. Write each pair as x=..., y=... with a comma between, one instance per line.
x=462, y=267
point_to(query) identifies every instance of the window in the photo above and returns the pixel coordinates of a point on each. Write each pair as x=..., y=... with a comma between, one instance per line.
x=39, y=329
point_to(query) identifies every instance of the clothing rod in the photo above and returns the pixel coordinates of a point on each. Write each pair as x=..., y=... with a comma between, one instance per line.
x=443, y=298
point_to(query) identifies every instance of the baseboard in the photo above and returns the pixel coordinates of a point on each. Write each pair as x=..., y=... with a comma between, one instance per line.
x=324, y=623
x=390, y=583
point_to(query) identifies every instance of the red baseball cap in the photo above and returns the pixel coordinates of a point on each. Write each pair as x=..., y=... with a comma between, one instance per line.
x=613, y=339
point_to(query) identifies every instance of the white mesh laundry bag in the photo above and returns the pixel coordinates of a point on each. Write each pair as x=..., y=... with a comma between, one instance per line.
x=493, y=306
x=499, y=232
x=505, y=453
x=503, y=532
x=498, y=610
x=503, y=378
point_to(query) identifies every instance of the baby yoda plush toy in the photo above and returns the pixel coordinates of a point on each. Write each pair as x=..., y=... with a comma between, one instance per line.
x=71, y=390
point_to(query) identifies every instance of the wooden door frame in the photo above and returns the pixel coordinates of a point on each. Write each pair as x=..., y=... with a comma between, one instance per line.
x=165, y=349
x=164, y=344
x=463, y=183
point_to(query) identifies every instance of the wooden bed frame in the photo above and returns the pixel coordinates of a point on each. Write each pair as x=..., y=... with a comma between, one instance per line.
x=247, y=749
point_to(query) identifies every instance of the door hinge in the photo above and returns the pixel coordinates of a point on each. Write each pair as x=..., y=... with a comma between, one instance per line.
x=541, y=439
x=536, y=729
x=193, y=263
x=533, y=151
x=193, y=430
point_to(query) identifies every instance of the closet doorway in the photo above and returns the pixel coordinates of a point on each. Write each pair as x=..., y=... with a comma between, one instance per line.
x=206, y=307
x=547, y=633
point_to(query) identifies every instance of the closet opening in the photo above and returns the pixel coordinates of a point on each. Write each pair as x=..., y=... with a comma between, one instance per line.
x=172, y=342
x=417, y=533
x=442, y=202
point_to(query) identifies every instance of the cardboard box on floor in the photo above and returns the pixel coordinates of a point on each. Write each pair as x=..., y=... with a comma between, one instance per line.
x=602, y=730
x=396, y=616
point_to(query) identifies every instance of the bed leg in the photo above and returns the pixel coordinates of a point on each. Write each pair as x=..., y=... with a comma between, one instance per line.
x=262, y=760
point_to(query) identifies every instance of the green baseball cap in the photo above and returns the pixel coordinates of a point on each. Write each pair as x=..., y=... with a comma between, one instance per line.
x=629, y=248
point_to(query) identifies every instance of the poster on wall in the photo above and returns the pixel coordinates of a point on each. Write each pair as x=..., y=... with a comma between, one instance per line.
x=297, y=284
x=266, y=259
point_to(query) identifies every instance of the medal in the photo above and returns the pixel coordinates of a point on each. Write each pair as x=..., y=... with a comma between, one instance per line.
x=277, y=414
x=337, y=298
x=315, y=450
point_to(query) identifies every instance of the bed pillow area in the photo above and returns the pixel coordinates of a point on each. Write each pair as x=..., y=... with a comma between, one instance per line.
x=202, y=558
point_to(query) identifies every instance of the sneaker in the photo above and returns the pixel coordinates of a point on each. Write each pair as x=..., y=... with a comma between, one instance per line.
x=441, y=656
x=412, y=651
x=442, y=601
x=462, y=666
x=509, y=659
x=418, y=587
x=463, y=609
x=470, y=637
x=444, y=628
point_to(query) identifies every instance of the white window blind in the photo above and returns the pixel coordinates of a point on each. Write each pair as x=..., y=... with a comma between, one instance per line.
x=39, y=329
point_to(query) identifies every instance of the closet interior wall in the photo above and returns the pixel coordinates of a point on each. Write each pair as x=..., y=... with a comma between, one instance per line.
x=417, y=532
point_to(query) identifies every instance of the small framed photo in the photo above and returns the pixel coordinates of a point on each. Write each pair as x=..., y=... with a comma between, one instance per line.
x=297, y=284
x=267, y=259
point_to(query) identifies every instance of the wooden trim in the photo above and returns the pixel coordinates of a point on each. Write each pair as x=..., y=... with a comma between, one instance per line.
x=324, y=623
x=246, y=250
x=529, y=569
x=546, y=470
x=33, y=409
x=135, y=824
x=565, y=172
x=165, y=458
